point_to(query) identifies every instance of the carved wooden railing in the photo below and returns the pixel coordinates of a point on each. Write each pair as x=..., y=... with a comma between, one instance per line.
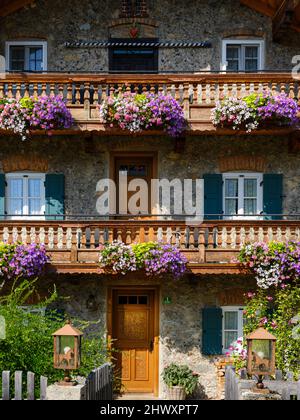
x=197, y=92
x=212, y=242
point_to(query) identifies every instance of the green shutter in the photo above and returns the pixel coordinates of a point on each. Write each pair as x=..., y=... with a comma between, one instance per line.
x=2, y=196
x=55, y=196
x=273, y=193
x=212, y=331
x=213, y=196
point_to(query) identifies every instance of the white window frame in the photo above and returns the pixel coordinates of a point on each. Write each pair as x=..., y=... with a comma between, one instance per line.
x=244, y=42
x=25, y=43
x=241, y=176
x=240, y=311
x=31, y=175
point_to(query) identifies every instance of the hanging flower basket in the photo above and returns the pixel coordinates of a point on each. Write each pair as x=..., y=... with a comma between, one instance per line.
x=35, y=113
x=276, y=264
x=22, y=261
x=155, y=259
x=137, y=112
x=255, y=111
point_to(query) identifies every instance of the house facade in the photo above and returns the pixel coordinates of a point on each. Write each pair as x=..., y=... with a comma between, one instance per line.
x=49, y=184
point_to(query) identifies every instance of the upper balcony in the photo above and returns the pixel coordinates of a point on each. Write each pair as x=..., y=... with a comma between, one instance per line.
x=197, y=93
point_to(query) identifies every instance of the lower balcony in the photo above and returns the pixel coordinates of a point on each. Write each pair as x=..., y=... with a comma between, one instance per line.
x=210, y=247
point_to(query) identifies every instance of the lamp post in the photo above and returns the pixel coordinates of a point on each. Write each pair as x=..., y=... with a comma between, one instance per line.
x=67, y=351
x=261, y=355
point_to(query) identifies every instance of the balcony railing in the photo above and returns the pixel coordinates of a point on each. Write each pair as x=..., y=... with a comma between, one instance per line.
x=197, y=93
x=71, y=244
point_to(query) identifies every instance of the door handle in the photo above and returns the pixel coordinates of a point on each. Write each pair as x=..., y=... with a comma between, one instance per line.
x=151, y=347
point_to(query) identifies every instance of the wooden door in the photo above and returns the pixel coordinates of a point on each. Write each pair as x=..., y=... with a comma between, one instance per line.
x=133, y=335
x=135, y=167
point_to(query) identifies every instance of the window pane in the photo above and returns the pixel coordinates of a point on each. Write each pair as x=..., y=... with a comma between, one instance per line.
x=17, y=58
x=143, y=300
x=232, y=188
x=133, y=300
x=231, y=206
x=251, y=65
x=123, y=300
x=232, y=52
x=231, y=320
x=251, y=52
x=233, y=65
x=230, y=337
x=250, y=188
x=34, y=188
x=16, y=188
x=35, y=58
x=15, y=206
x=250, y=206
x=232, y=58
x=34, y=206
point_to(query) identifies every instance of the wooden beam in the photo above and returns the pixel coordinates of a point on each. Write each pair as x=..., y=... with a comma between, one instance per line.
x=284, y=18
x=260, y=6
x=8, y=7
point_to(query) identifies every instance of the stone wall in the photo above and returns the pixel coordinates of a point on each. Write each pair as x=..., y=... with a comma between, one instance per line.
x=180, y=322
x=200, y=20
x=85, y=164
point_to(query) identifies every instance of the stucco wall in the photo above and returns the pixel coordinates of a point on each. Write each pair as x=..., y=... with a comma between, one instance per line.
x=84, y=164
x=180, y=335
x=200, y=20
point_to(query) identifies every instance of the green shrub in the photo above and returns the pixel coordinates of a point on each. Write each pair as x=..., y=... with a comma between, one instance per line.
x=175, y=375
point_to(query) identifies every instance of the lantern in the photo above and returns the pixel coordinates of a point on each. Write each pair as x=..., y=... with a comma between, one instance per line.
x=67, y=349
x=261, y=355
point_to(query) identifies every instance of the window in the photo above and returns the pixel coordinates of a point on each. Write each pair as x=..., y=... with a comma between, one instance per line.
x=26, y=56
x=25, y=196
x=134, y=8
x=243, y=55
x=132, y=59
x=243, y=195
x=233, y=324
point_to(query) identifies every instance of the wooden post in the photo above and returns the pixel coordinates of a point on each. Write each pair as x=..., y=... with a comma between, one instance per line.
x=43, y=388
x=18, y=385
x=30, y=386
x=5, y=385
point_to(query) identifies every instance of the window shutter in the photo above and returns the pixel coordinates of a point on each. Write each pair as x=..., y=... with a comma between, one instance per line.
x=55, y=196
x=273, y=193
x=2, y=196
x=212, y=331
x=213, y=196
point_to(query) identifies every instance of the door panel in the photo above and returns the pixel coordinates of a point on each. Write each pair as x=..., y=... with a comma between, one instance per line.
x=136, y=168
x=133, y=332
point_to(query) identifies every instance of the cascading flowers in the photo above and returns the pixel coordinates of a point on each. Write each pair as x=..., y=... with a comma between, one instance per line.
x=43, y=112
x=255, y=110
x=137, y=112
x=155, y=258
x=22, y=261
x=275, y=264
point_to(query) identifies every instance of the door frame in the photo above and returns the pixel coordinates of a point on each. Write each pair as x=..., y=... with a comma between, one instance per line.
x=156, y=290
x=127, y=155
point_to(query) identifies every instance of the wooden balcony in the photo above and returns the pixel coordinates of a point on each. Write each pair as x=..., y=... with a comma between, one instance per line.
x=197, y=94
x=210, y=247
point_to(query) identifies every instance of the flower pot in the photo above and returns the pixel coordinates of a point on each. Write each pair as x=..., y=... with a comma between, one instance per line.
x=176, y=393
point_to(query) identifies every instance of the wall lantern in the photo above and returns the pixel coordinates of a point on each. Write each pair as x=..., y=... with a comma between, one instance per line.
x=261, y=355
x=67, y=351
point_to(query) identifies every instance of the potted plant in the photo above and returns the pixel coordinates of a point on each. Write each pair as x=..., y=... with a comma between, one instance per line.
x=180, y=380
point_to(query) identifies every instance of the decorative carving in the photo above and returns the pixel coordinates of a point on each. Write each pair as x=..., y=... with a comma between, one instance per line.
x=20, y=163
x=242, y=163
x=141, y=365
x=133, y=325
